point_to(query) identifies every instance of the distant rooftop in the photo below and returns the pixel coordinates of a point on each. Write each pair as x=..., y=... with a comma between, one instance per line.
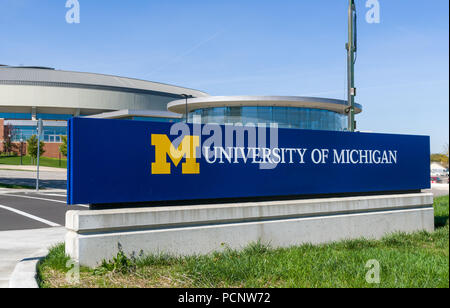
x=29, y=67
x=46, y=76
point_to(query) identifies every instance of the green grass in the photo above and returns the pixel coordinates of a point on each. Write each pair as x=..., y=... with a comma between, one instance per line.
x=13, y=186
x=43, y=161
x=441, y=211
x=407, y=260
x=56, y=259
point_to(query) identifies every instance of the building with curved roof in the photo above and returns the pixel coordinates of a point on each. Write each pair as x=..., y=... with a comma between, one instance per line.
x=287, y=111
x=34, y=91
x=30, y=93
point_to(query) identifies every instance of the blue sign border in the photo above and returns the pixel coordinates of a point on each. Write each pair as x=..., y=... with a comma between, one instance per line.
x=110, y=162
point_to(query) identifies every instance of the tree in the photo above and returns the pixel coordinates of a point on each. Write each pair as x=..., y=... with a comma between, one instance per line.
x=33, y=147
x=444, y=160
x=63, y=146
x=437, y=158
x=441, y=158
x=9, y=134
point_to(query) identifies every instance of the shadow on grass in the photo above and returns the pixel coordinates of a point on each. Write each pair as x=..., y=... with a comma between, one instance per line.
x=441, y=221
x=29, y=183
x=441, y=211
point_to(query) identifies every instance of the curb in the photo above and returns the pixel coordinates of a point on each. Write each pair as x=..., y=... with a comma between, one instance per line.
x=31, y=190
x=24, y=275
x=31, y=168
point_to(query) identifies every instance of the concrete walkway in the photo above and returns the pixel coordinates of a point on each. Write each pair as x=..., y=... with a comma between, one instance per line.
x=18, y=245
x=32, y=168
x=440, y=189
x=55, y=178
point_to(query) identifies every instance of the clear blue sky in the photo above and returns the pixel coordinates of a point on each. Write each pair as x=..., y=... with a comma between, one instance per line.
x=252, y=47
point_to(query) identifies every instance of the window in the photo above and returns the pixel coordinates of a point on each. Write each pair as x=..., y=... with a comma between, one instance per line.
x=285, y=117
x=15, y=116
x=51, y=134
x=48, y=116
x=154, y=119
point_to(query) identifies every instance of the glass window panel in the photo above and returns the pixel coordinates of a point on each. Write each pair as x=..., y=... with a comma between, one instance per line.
x=154, y=119
x=48, y=116
x=286, y=117
x=15, y=116
x=51, y=134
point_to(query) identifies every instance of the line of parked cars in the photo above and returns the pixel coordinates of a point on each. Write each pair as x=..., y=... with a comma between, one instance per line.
x=440, y=173
x=442, y=178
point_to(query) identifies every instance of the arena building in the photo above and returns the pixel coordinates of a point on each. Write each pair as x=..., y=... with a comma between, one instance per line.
x=31, y=93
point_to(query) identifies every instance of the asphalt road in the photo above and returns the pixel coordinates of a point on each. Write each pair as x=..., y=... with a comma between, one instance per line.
x=31, y=210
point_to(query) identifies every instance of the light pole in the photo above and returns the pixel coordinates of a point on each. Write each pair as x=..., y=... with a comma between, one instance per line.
x=9, y=144
x=351, y=47
x=39, y=132
x=21, y=149
x=186, y=97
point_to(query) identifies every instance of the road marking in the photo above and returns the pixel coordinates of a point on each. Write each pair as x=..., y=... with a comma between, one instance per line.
x=44, y=221
x=44, y=199
x=37, y=198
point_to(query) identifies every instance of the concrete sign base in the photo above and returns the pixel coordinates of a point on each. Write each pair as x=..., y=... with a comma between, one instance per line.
x=94, y=236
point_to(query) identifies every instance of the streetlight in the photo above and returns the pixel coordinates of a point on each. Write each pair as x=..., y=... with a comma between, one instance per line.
x=186, y=96
x=39, y=129
x=9, y=144
x=351, y=47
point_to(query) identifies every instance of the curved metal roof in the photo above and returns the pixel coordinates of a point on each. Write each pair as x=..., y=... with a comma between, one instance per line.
x=40, y=76
x=179, y=106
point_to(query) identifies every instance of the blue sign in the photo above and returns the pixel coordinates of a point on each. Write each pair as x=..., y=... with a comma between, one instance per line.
x=120, y=161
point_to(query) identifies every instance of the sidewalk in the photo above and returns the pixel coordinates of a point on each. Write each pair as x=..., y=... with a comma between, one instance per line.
x=32, y=168
x=54, y=179
x=18, y=245
x=440, y=189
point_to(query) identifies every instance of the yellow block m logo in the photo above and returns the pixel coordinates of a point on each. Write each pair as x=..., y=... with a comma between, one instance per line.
x=164, y=148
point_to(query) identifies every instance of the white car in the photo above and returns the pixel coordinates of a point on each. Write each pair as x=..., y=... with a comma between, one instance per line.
x=439, y=172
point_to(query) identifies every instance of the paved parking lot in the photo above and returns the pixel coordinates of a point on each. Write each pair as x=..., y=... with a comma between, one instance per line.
x=24, y=210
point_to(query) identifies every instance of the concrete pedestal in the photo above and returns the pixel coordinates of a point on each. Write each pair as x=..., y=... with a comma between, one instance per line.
x=188, y=230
